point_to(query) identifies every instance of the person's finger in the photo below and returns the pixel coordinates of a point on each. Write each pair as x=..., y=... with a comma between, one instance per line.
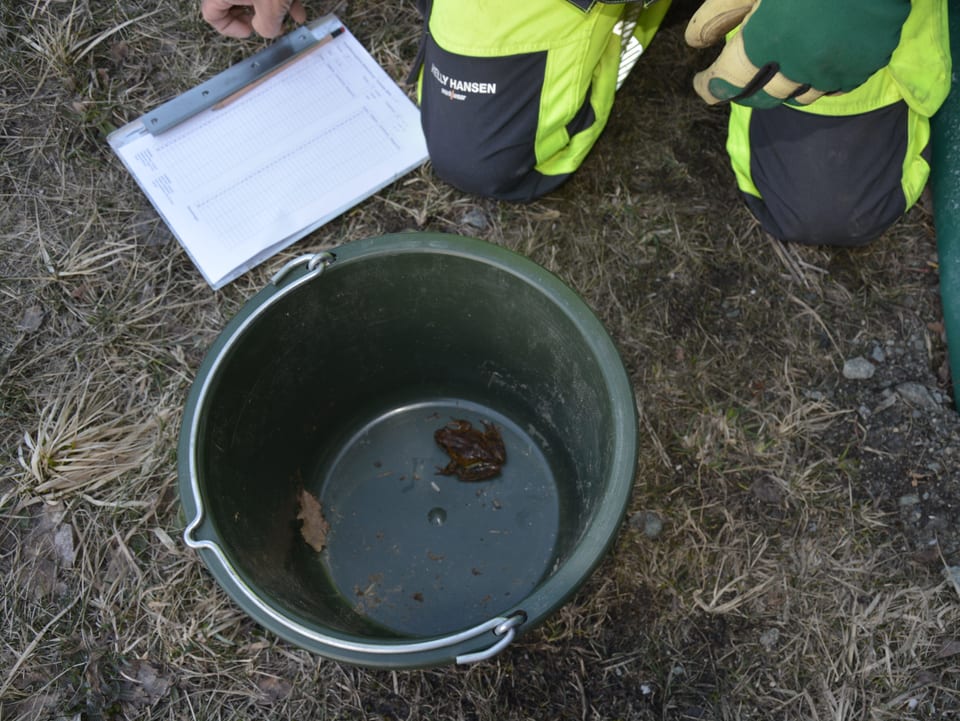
x=807, y=97
x=714, y=19
x=298, y=12
x=269, y=15
x=732, y=76
x=228, y=17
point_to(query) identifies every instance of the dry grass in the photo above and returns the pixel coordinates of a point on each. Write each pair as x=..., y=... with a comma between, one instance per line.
x=777, y=589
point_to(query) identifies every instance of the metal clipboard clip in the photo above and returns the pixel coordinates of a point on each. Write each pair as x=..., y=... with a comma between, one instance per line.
x=241, y=76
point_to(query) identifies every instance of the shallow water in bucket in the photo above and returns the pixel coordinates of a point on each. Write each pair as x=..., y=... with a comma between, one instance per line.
x=435, y=553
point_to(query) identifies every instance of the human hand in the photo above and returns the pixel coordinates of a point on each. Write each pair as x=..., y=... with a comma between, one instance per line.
x=793, y=51
x=240, y=18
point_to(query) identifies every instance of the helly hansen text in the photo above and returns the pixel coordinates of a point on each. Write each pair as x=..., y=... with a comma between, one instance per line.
x=464, y=86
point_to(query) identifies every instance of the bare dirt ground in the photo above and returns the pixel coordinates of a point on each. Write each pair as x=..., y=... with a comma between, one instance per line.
x=792, y=549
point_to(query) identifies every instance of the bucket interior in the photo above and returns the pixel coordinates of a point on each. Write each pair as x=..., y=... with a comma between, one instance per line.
x=336, y=388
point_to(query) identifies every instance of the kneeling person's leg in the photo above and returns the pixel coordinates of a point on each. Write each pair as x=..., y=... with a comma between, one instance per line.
x=480, y=118
x=823, y=179
x=514, y=95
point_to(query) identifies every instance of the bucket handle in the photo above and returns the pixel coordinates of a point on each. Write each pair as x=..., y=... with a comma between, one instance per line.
x=505, y=626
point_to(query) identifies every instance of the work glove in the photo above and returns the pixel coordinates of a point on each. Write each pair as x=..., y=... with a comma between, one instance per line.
x=793, y=51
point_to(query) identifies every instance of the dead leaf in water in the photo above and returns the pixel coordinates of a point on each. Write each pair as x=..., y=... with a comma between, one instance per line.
x=315, y=527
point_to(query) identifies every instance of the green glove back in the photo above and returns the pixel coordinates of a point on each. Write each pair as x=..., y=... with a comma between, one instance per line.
x=793, y=50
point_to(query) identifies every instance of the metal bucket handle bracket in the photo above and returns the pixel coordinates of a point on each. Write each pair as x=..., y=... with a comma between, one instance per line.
x=314, y=262
x=507, y=629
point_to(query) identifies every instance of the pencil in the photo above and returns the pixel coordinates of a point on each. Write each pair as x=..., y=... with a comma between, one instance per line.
x=281, y=67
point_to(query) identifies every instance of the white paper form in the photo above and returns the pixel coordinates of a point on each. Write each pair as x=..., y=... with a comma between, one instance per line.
x=239, y=183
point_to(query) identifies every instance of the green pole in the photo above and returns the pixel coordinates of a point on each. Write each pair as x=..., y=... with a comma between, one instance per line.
x=945, y=179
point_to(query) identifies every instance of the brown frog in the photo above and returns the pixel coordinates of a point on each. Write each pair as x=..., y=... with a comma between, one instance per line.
x=474, y=455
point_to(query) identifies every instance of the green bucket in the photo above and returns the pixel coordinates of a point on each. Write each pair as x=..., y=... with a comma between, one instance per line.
x=332, y=382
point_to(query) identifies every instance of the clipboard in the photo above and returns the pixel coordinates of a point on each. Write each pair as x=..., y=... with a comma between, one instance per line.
x=255, y=158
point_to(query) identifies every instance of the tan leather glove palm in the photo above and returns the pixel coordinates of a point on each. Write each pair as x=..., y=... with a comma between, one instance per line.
x=793, y=50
